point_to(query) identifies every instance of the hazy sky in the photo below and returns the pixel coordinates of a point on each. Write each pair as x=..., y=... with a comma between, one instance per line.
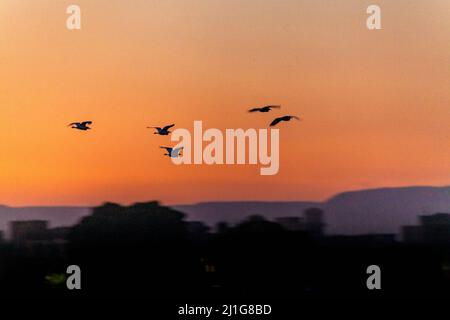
x=376, y=104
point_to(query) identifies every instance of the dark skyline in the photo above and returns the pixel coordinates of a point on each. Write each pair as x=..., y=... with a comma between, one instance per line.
x=383, y=210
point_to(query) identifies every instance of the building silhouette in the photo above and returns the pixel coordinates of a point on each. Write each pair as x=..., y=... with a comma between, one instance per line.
x=311, y=222
x=433, y=229
x=22, y=231
x=292, y=223
x=34, y=233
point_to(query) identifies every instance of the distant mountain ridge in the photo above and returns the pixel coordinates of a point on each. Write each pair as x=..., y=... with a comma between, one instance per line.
x=382, y=210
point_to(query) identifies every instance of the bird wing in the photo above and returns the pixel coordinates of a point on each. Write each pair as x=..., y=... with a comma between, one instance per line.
x=273, y=107
x=85, y=123
x=157, y=128
x=254, y=109
x=176, y=152
x=276, y=121
x=168, y=127
x=74, y=124
x=169, y=149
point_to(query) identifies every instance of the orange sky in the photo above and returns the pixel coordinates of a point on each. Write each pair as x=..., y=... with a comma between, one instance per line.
x=376, y=104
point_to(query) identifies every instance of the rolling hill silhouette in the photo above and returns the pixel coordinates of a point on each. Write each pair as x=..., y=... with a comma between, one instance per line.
x=382, y=210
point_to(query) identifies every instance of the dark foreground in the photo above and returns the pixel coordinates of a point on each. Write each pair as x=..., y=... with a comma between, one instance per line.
x=149, y=252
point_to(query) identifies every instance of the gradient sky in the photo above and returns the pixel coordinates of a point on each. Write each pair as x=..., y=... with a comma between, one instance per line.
x=376, y=104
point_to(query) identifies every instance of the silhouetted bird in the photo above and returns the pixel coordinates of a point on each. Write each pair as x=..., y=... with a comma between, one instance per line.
x=81, y=125
x=285, y=118
x=264, y=109
x=173, y=153
x=162, y=131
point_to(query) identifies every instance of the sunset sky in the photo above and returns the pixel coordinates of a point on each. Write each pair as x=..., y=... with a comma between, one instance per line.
x=375, y=104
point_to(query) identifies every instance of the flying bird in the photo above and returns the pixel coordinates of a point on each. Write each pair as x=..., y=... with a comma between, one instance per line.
x=172, y=152
x=264, y=109
x=162, y=131
x=81, y=125
x=285, y=118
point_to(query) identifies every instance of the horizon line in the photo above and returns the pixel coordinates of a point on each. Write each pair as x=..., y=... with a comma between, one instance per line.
x=227, y=201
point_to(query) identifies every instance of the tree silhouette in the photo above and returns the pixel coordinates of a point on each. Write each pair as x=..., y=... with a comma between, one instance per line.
x=138, y=250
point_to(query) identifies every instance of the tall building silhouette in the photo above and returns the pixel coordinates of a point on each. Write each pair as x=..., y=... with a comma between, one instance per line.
x=433, y=229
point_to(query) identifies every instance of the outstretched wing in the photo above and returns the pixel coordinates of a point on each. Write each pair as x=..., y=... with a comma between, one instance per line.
x=74, y=124
x=86, y=123
x=273, y=107
x=168, y=127
x=254, y=110
x=157, y=128
x=169, y=149
x=276, y=121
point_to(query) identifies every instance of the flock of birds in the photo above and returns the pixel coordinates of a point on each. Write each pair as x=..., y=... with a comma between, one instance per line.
x=164, y=131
